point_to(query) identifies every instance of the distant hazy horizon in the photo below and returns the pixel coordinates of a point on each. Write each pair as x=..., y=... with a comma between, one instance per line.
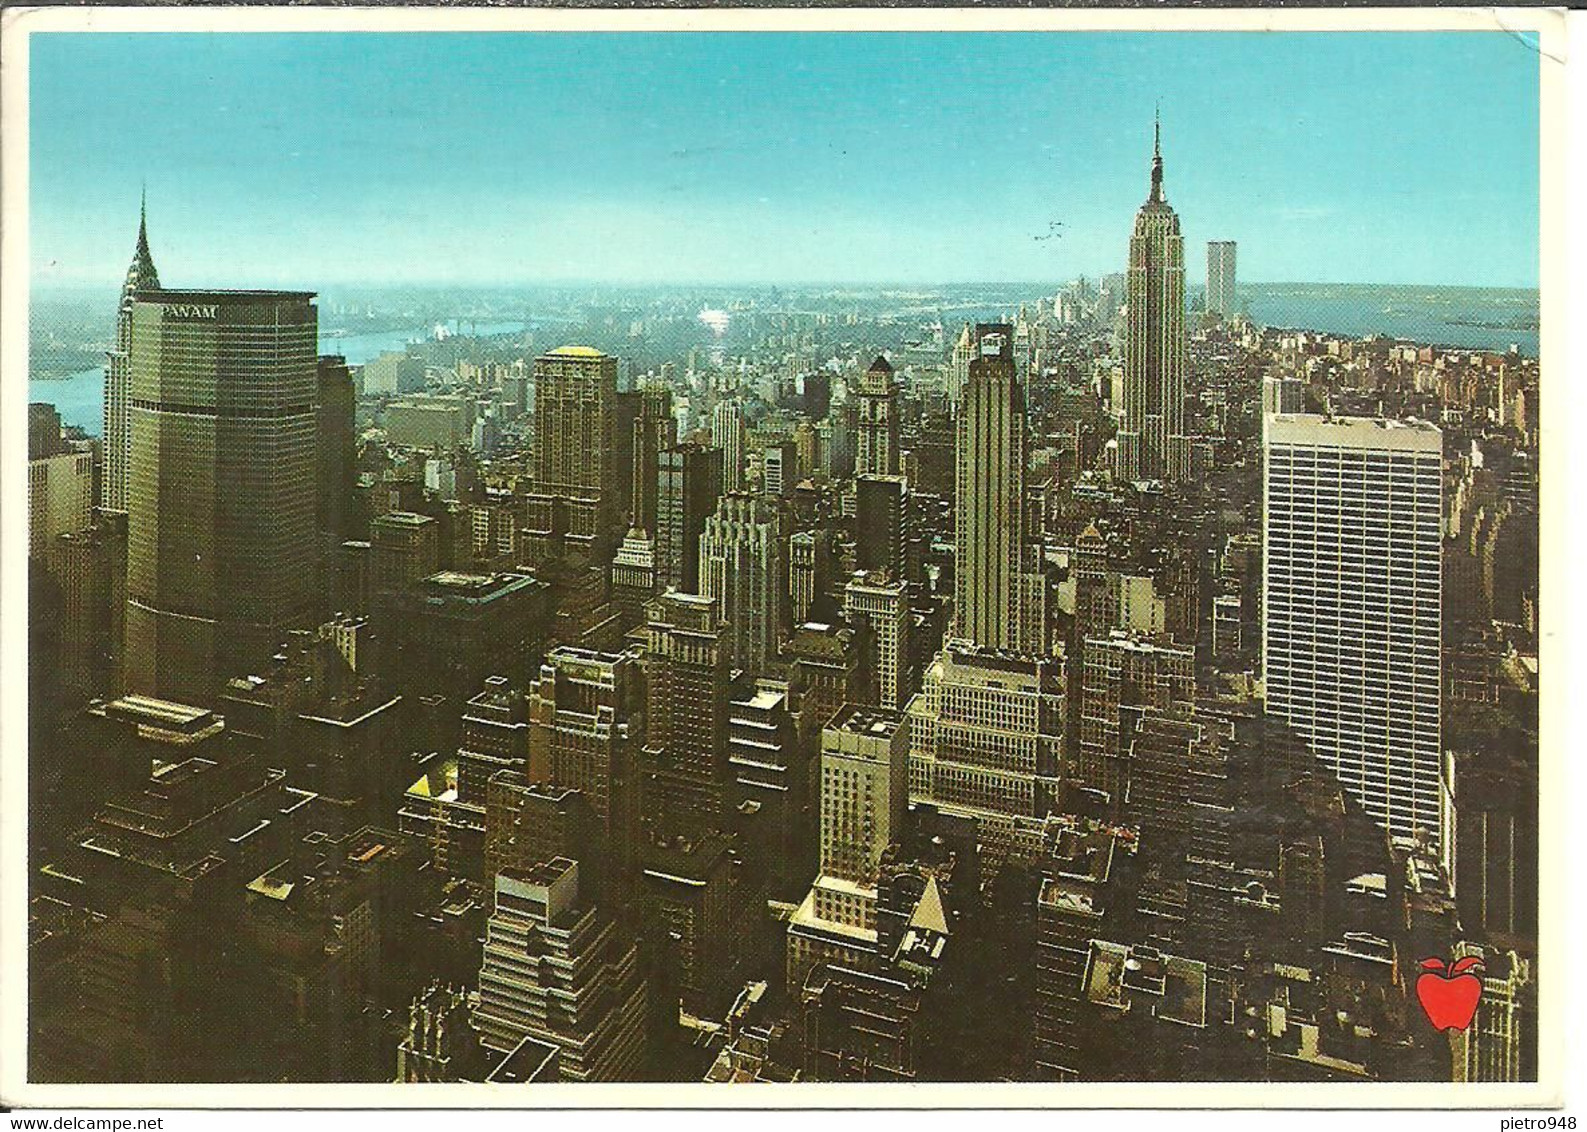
x=51, y=286
x=738, y=159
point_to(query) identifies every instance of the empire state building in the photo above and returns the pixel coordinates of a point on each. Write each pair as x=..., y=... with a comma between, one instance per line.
x=1152, y=443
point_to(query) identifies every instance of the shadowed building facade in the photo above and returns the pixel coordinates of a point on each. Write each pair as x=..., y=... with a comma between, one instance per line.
x=223, y=483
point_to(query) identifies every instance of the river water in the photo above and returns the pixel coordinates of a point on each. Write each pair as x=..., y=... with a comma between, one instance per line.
x=80, y=397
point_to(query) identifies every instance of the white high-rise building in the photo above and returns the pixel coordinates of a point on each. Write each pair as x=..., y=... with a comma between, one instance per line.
x=1352, y=602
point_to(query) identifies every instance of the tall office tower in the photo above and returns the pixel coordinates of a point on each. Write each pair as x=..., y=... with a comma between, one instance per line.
x=881, y=514
x=528, y=823
x=60, y=497
x=429, y=421
x=743, y=569
x=1152, y=444
x=864, y=790
x=576, y=442
x=689, y=899
x=1127, y=678
x=842, y=426
x=986, y=738
x=351, y=577
x=1352, y=605
x=439, y=1045
x=877, y=451
x=494, y=736
x=1096, y=602
x=809, y=571
x=448, y=633
x=44, y=431
x=90, y=566
x=990, y=516
x=220, y=532
x=336, y=444
x=817, y=392
x=880, y=603
x=393, y=372
x=1283, y=395
x=1177, y=790
x=403, y=548
x=1220, y=278
x=779, y=470
x=655, y=431
x=825, y=673
x=689, y=486
x=807, y=451
x=626, y=409
x=771, y=807
x=959, y=364
x=686, y=709
x=864, y=797
x=633, y=578
x=587, y=727
x=115, y=486
x=556, y=969
x=727, y=435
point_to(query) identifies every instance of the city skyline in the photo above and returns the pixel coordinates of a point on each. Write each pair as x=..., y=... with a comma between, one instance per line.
x=556, y=175
x=983, y=683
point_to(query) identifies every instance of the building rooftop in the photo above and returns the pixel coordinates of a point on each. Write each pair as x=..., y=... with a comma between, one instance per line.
x=1169, y=987
x=531, y=1060
x=1370, y=433
x=861, y=719
x=167, y=715
x=232, y=297
x=402, y=519
x=475, y=588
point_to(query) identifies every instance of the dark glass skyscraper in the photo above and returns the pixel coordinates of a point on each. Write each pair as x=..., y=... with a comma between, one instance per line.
x=222, y=484
x=689, y=484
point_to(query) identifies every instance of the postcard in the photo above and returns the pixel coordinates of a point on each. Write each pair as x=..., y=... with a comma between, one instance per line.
x=907, y=558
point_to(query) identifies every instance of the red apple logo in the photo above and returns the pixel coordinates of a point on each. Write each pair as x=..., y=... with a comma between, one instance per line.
x=1449, y=994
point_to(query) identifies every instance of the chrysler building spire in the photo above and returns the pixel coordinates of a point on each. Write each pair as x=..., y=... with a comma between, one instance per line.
x=141, y=273
x=118, y=372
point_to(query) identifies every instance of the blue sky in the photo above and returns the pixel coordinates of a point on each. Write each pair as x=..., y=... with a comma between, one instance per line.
x=311, y=160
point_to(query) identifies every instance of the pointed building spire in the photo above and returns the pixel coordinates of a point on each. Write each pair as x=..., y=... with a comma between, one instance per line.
x=143, y=220
x=1157, y=154
x=141, y=273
